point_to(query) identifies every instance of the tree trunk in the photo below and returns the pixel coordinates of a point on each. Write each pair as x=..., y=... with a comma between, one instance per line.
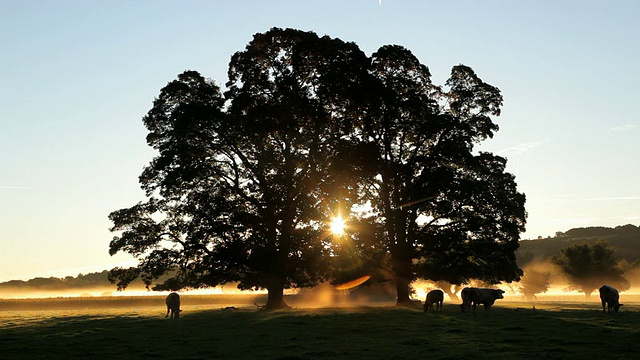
x=452, y=295
x=402, y=278
x=449, y=289
x=402, y=275
x=275, y=298
x=402, y=292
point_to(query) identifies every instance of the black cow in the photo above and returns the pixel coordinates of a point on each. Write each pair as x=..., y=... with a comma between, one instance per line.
x=173, y=305
x=471, y=297
x=609, y=295
x=466, y=298
x=433, y=297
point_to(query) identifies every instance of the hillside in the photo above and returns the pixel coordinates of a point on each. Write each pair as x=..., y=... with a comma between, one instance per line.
x=83, y=283
x=626, y=240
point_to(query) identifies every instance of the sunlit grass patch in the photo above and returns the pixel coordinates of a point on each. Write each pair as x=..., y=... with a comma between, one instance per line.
x=363, y=332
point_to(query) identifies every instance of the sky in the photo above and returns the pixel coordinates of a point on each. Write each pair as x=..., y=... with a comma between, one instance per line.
x=76, y=78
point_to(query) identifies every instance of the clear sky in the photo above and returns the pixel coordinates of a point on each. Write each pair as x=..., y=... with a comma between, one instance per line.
x=76, y=78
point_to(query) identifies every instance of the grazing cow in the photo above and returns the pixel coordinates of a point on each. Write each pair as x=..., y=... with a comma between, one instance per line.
x=173, y=305
x=475, y=296
x=610, y=296
x=434, y=297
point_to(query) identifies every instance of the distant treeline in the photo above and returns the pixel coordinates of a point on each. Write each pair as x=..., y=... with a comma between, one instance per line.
x=626, y=240
x=80, y=282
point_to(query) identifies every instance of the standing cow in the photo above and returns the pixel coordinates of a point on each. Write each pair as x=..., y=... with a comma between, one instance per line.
x=434, y=297
x=173, y=305
x=609, y=295
x=476, y=296
x=466, y=299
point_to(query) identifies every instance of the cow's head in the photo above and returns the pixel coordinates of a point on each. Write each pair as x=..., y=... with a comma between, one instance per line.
x=499, y=293
x=617, y=307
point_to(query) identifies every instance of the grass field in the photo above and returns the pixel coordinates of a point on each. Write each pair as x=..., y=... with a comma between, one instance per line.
x=554, y=330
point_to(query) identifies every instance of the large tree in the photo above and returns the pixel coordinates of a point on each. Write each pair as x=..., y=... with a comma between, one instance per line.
x=245, y=184
x=587, y=267
x=445, y=212
x=244, y=192
x=291, y=96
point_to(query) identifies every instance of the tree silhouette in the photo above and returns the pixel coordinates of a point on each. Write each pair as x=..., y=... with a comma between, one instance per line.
x=245, y=184
x=244, y=193
x=436, y=201
x=290, y=94
x=587, y=267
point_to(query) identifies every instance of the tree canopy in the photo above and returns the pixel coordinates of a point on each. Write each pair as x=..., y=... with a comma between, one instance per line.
x=587, y=267
x=246, y=182
x=445, y=213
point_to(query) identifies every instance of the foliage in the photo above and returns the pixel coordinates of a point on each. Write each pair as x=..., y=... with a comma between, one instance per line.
x=445, y=213
x=587, y=267
x=243, y=193
x=245, y=182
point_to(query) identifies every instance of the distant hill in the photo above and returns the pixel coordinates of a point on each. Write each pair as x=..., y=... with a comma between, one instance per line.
x=626, y=240
x=79, y=284
x=86, y=281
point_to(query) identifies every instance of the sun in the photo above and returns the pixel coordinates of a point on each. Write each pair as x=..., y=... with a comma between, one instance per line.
x=337, y=226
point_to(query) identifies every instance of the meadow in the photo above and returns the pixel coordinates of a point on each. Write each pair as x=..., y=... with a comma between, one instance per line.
x=514, y=330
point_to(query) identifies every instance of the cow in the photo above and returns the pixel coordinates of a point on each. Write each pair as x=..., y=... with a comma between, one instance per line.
x=173, y=305
x=466, y=298
x=471, y=297
x=609, y=295
x=434, y=297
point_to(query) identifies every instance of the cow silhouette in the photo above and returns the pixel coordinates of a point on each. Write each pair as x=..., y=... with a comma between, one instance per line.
x=610, y=297
x=471, y=297
x=433, y=297
x=173, y=305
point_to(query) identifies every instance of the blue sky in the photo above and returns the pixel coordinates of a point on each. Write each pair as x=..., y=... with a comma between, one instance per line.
x=76, y=78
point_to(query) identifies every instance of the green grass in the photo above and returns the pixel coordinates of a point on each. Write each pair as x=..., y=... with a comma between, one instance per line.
x=555, y=330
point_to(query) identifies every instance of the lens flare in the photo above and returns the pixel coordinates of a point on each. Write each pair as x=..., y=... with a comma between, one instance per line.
x=353, y=283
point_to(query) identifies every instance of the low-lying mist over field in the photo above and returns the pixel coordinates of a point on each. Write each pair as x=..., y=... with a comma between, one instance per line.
x=543, y=278
x=322, y=296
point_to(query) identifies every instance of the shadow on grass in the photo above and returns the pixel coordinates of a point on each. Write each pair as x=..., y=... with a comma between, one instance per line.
x=354, y=333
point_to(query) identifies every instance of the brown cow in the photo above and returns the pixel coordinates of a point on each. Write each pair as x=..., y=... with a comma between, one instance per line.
x=610, y=296
x=434, y=297
x=173, y=305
